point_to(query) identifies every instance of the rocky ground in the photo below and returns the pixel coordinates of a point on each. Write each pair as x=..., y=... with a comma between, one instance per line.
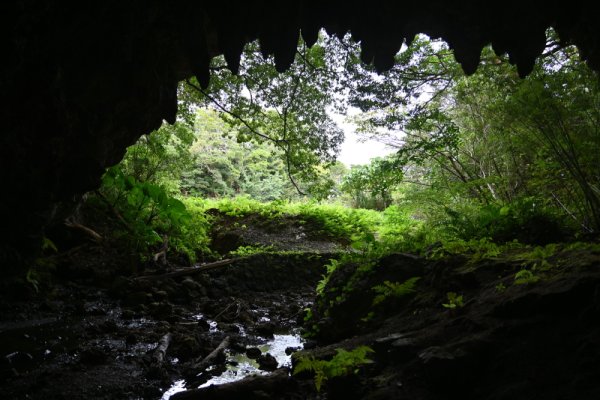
x=93, y=331
x=84, y=340
x=535, y=340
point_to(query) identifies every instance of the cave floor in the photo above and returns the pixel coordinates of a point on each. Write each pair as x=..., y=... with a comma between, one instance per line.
x=83, y=340
x=92, y=331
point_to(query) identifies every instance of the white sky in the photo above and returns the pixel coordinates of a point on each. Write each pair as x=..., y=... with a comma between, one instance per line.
x=354, y=152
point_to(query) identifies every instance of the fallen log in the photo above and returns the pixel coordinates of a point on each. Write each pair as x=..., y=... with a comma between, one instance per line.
x=207, y=361
x=194, y=375
x=95, y=236
x=191, y=270
x=161, y=350
x=227, y=308
x=252, y=387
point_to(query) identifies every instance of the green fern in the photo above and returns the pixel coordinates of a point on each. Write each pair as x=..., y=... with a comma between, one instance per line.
x=246, y=251
x=394, y=289
x=342, y=364
x=454, y=301
x=538, y=257
x=525, y=276
x=331, y=267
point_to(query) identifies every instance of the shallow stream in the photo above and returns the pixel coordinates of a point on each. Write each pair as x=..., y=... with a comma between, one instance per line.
x=240, y=365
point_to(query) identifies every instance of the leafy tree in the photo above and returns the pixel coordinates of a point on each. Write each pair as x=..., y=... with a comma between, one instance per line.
x=224, y=167
x=161, y=156
x=287, y=109
x=491, y=138
x=370, y=186
x=559, y=108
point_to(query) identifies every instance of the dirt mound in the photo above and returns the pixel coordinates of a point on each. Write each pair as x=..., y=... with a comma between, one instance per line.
x=284, y=233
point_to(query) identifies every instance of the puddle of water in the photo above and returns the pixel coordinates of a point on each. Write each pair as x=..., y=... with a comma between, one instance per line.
x=246, y=366
x=212, y=324
x=178, y=386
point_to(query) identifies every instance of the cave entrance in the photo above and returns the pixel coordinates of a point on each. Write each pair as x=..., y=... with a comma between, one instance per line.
x=217, y=236
x=469, y=152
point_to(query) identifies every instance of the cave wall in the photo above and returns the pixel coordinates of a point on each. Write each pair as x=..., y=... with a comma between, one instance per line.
x=81, y=82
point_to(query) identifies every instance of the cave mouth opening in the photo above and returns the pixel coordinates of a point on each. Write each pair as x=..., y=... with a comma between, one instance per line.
x=462, y=145
x=240, y=195
x=95, y=86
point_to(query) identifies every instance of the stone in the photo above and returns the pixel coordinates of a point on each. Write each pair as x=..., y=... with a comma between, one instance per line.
x=389, y=338
x=253, y=353
x=403, y=342
x=291, y=350
x=267, y=362
x=266, y=329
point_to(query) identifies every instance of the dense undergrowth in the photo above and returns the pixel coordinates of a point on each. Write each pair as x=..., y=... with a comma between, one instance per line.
x=149, y=214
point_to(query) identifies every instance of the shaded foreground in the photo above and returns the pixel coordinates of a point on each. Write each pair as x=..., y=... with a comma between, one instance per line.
x=99, y=334
x=113, y=337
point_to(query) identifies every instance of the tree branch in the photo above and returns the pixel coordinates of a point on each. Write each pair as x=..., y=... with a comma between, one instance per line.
x=234, y=115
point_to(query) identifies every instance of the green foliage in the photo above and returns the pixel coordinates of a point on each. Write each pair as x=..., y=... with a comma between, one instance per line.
x=500, y=287
x=144, y=206
x=308, y=315
x=486, y=143
x=287, y=109
x=160, y=157
x=335, y=221
x=527, y=220
x=192, y=238
x=342, y=364
x=225, y=167
x=371, y=185
x=585, y=246
x=142, y=190
x=330, y=267
x=48, y=245
x=477, y=249
x=454, y=301
x=366, y=260
x=525, y=276
x=401, y=230
x=537, y=258
x=245, y=251
x=394, y=290
x=32, y=277
x=338, y=221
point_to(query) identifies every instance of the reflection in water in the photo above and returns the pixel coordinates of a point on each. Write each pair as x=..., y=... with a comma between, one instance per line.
x=178, y=386
x=245, y=366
